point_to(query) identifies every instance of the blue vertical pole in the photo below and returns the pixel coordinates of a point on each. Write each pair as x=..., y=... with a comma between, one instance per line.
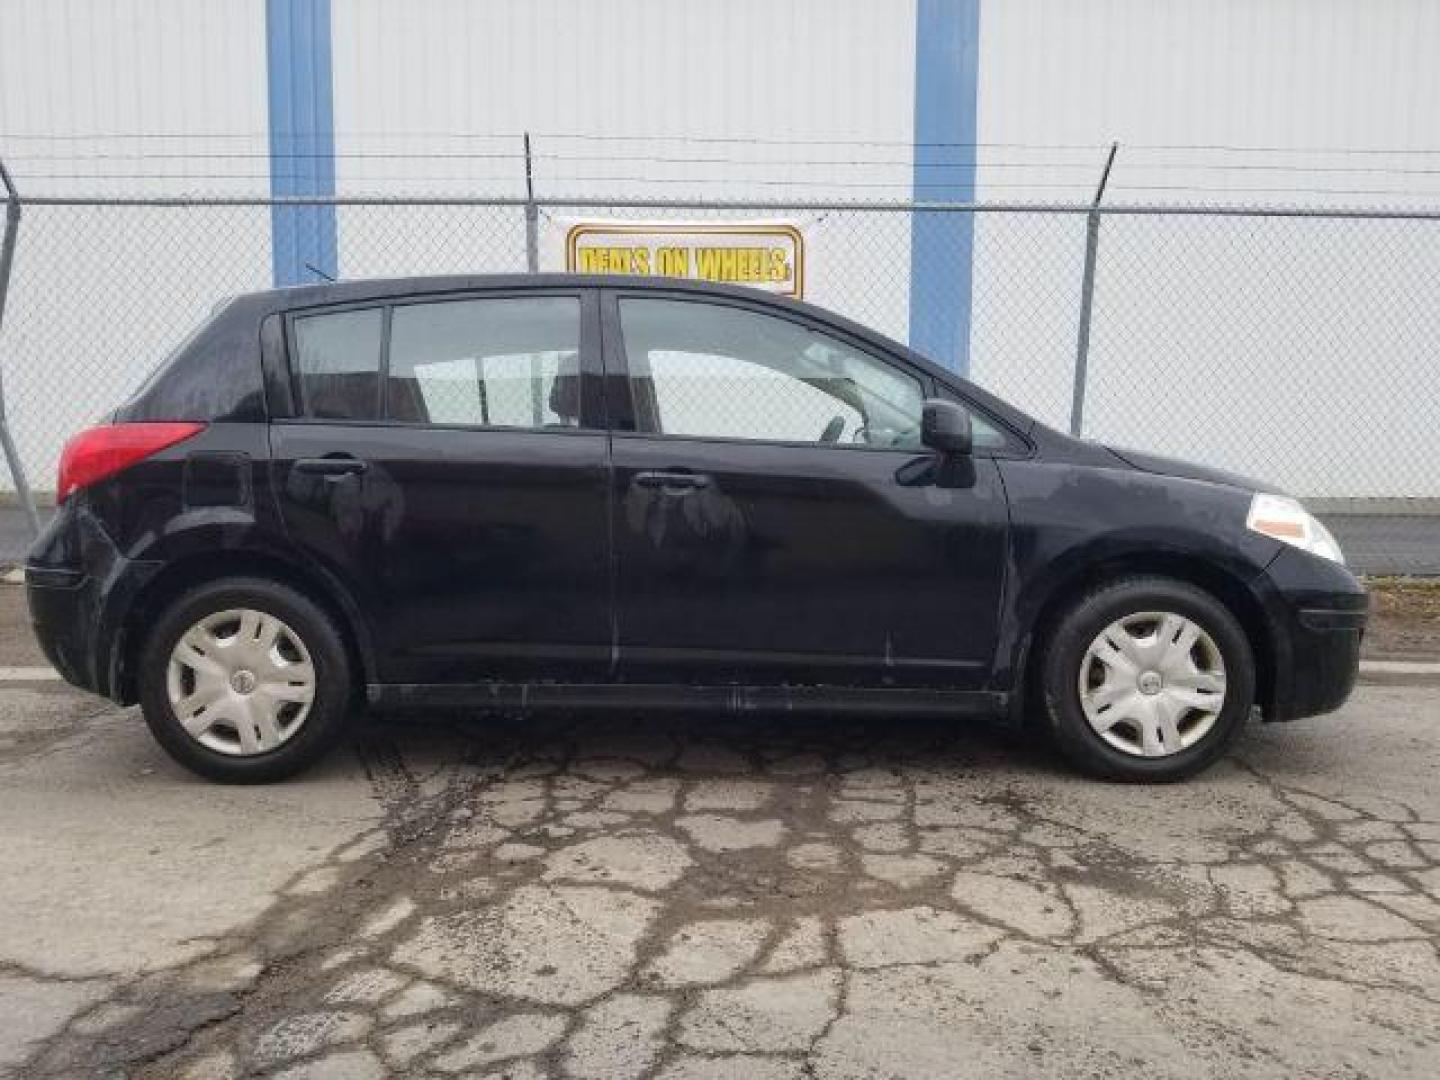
x=302, y=138
x=947, y=63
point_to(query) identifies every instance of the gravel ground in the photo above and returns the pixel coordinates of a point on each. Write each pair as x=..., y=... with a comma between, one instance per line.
x=1404, y=619
x=17, y=643
x=606, y=898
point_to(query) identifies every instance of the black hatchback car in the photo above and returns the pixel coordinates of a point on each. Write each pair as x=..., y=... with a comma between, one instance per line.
x=589, y=491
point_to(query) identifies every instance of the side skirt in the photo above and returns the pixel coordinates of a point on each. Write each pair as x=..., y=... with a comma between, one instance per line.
x=716, y=699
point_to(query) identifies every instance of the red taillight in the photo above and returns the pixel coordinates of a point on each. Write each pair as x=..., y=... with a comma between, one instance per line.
x=99, y=452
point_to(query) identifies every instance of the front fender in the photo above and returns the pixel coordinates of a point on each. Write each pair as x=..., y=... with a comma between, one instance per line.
x=1075, y=527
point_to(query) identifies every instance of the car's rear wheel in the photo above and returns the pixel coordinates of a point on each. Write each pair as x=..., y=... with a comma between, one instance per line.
x=244, y=680
x=1146, y=679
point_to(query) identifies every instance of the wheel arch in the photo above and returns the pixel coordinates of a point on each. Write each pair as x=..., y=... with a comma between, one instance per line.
x=199, y=567
x=1220, y=582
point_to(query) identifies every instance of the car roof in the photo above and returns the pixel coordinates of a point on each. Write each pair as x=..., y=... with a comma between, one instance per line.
x=359, y=289
x=300, y=297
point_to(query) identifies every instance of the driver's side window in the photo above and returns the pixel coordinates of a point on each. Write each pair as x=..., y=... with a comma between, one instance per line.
x=712, y=370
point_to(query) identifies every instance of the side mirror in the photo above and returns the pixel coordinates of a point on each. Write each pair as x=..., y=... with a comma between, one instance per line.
x=945, y=427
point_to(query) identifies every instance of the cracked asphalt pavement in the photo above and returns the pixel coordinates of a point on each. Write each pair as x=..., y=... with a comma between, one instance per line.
x=593, y=897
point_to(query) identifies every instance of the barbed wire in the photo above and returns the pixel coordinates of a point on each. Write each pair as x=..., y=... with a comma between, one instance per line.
x=697, y=182
x=972, y=165
x=760, y=140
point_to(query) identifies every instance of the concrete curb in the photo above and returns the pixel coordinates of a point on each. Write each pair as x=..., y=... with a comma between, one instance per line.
x=1399, y=671
x=28, y=674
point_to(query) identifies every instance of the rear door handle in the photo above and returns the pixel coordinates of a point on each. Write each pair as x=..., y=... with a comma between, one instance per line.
x=331, y=466
x=672, y=480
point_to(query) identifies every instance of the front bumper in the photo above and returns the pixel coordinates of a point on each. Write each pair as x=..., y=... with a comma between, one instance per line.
x=1317, y=612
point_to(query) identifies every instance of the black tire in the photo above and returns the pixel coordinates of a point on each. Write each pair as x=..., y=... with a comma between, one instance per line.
x=1064, y=652
x=322, y=725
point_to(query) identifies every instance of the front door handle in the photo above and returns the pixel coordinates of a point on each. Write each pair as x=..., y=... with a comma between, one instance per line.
x=331, y=466
x=687, y=480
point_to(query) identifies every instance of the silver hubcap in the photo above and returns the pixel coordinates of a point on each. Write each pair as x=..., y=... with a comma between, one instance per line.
x=241, y=682
x=1152, y=684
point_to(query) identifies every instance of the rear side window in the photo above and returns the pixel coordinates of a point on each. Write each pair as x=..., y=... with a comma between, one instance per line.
x=500, y=362
x=337, y=364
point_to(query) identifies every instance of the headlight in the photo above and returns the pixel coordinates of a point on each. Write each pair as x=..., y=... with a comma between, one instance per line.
x=1285, y=519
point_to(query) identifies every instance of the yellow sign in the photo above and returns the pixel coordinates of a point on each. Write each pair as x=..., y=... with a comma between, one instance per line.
x=764, y=255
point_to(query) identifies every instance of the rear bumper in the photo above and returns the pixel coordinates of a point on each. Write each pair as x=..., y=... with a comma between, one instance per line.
x=78, y=586
x=1317, y=611
x=61, y=602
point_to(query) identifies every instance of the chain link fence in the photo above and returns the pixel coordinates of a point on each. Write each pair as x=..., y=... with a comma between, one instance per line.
x=1295, y=346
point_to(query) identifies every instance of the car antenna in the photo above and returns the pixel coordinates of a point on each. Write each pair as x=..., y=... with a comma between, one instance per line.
x=319, y=273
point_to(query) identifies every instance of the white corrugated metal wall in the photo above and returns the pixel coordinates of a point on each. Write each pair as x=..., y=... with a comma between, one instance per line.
x=634, y=98
x=1300, y=351
x=1210, y=99
x=133, y=97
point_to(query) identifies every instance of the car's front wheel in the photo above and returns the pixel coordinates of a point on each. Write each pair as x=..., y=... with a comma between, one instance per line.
x=1146, y=679
x=244, y=680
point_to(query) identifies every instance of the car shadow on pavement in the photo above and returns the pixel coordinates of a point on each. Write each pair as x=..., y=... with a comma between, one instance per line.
x=681, y=744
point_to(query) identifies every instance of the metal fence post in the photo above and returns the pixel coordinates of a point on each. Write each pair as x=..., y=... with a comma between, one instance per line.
x=532, y=215
x=532, y=264
x=7, y=262
x=1087, y=299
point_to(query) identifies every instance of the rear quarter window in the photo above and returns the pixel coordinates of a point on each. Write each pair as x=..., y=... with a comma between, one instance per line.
x=337, y=364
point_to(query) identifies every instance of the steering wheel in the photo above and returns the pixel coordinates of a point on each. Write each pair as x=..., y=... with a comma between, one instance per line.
x=833, y=429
